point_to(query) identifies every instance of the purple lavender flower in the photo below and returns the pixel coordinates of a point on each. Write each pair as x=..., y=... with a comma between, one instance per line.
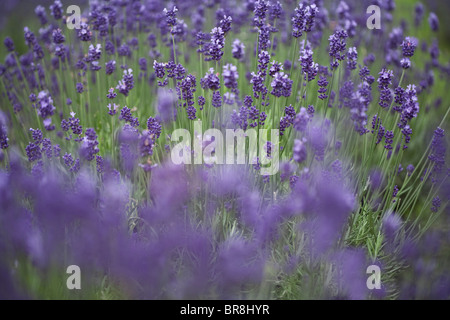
x=281, y=85
x=409, y=46
x=110, y=67
x=323, y=84
x=9, y=44
x=125, y=114
x=299, y=151
x=405, y=63
x=352, y=57
x=410, y=169
x=111, y=94
x=433, y=21
x=210, y=81
x=154, y=127
x=56, y=10
x=159, y=69
x=215, y=47
x=112, y=109
x=216, y=99
x=84, y=34
x=301, y=120
x=33, y=151
x=171, y=19
x=435, y=204
x=238, y=49
x=261, y=8
x=3, y=131
x=40, y=13
x=230, y=77
x=309, y=67
x=384, y=81
x=419, y=12
x=389, y=136
x=337, y=47
x=79, y=87
x=58, y=37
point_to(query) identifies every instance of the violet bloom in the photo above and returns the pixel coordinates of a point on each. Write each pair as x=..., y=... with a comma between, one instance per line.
x=3, y=131
x=435, y=204
x=110, y=67
x=261, y=8
x=112, y=109
x=111, y=94
x=238, y=49
x=409, y=46
x=299, y=151
x=323, y=84
x=40, y=13
x=125, y=114
x=352, y=58
x=84, y=34
x=337, y=47
x=9, y=44
x=230, y=77
x=215, y=47
x=79, y=87
x=58, y=37
x=384, y=81
x=154, y=127
x=405, y=63
x=216, y=99
x=281, y=85
x=419, y=12
x=433, y=20
x=210, y=81
x=56, y=10
x=309, y=67
x=159, y=69
x=389, y=140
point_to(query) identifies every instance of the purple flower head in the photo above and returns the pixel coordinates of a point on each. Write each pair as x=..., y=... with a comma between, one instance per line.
x=433, y=20
x=40, y=13
x=159, y=69
x=125, y=114
x=166, y=105
x=301, y=120
x=56, y=10
x=171, y=19
x=410, y=169
x=230, y=76
x=111, y=94
x=112, y=109
x=154, y=127
x=58, y=37
x=3, y=131
x=309, y=67
x=435, y=204
x=9, y=44
x=419, y=12
x=352, y=57
x=299, y=151
x=84, y=34
x=405, y=63
x=389, y=136
x=281, y=85
x=261, y=8
x=210, y=81
x=238, y=49
x=216, y=99
x=79, y=87
x=337, y=47
x=409, y=46
x=323, y=84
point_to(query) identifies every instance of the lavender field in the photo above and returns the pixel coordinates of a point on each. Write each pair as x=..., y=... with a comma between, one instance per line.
x=224, y=149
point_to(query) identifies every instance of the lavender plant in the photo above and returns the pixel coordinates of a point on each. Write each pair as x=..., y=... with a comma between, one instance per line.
x=87, y=124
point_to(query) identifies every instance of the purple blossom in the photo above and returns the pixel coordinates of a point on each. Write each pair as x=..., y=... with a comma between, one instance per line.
x=238, y=49
x=409, y=46
x=433, y=21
